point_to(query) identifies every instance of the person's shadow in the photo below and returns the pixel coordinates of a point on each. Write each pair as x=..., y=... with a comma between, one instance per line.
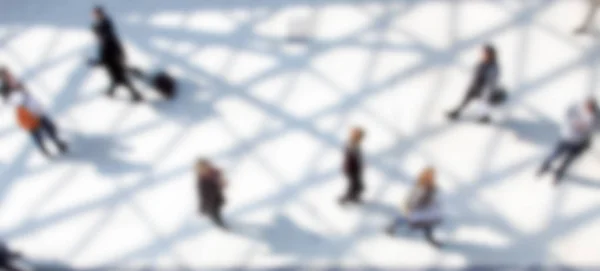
x=103, y=152
x=190, y=103
x=537, y=132
x=286, y=237
x=47, y=265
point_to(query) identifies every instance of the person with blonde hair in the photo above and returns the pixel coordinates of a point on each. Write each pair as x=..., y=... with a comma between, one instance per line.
x=353, y=167
x=422, y=210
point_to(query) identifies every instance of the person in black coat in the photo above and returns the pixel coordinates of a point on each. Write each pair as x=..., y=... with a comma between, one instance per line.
x=6, y=258
x=353, y=167
x=210, y=186
x=111, y=55
x=483, y=84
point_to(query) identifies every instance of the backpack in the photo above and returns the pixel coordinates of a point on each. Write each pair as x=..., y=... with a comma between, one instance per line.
x=26, y=119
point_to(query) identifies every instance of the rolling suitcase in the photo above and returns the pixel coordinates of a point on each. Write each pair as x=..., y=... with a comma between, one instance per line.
x=161, y=81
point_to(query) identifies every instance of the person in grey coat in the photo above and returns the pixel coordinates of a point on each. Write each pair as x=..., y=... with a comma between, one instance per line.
x=422, y=210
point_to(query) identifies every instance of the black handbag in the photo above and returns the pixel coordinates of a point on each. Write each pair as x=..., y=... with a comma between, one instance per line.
x=498, y=96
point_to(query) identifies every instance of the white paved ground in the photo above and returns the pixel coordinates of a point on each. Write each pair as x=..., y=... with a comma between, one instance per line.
x=275, y=116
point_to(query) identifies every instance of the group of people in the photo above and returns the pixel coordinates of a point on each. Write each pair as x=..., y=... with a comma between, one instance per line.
x=30, y=114
x=422, y=208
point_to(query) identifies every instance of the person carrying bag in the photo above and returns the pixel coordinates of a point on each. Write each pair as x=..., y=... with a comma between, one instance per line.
x=422, y=210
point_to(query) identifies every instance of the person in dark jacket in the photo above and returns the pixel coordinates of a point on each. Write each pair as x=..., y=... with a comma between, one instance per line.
x=483, y=84
x=353, y=167
x=210, y=186
x=111, y=54
x=7, y=257
x=421, y=209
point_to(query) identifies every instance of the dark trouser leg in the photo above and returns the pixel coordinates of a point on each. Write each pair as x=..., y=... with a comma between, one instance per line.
x=558, y=151
x=39, y=140
x=112, y=88
x=47, y=125
x=472, y=93
x=215, y=215
x=572, y=153
x=355, y=187
x=428, y=230
x=134, y=93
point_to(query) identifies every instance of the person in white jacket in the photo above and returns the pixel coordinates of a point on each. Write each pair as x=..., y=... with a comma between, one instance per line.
x=422, y=210
x=581, y=120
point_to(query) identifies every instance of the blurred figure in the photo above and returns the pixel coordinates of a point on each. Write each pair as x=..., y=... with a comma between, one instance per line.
x=483, y=85
x=581, y=120
x=588, y=22
x=210, y=190
x=111, y=54
x=30, y=114
x=422, y=208
x=353, y=167
x=7, y=257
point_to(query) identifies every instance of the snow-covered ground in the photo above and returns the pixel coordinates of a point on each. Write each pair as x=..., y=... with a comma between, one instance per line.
x=275, y=115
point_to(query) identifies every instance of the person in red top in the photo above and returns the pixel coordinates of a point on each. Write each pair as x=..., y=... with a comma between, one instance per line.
x=210, y=187
x=29, y=113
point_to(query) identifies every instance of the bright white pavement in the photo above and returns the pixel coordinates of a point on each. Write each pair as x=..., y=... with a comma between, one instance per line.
x=275, y=115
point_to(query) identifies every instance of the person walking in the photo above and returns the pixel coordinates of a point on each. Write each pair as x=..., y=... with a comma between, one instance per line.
x=588, y=22
x=581, y=120
x=484, y=83
x=353, y=167
x=210, y=186
x=111, y=54
x=422, y=208
x=29, y=112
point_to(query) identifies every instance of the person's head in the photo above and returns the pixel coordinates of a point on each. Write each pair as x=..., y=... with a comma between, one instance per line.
x=356, y=135
x=489, y=54
x=98, y=13
x=591, y=105
x=427, y=178
x=203, y=166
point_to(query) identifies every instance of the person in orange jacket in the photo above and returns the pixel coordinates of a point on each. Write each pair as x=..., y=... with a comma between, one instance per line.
x=29, y=112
